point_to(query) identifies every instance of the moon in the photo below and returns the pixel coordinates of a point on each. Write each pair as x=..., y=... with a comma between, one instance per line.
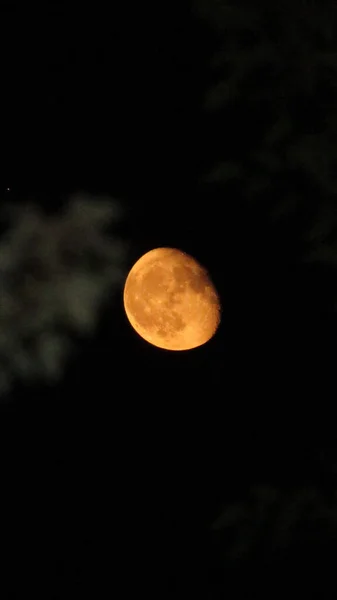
x=170, y=300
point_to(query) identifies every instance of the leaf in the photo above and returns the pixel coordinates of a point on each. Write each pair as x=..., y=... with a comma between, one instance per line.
x=224, y=171
x=231, y=515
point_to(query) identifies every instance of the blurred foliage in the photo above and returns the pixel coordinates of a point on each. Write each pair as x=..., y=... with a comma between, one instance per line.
x=55, y=273
x=275, y=97
x=269, y=521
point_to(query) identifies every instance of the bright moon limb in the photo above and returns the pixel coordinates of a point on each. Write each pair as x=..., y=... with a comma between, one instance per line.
x=170, y=300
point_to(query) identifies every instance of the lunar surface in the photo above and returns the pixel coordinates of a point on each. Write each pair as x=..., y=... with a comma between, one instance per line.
x=171, y=301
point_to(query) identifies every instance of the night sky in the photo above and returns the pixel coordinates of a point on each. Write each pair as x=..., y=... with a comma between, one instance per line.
x=215, y=127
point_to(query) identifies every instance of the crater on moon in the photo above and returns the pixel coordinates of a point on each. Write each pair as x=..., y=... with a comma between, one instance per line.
x=171, y=301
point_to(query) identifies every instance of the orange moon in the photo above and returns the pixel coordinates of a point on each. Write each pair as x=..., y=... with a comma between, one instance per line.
x=171, y=301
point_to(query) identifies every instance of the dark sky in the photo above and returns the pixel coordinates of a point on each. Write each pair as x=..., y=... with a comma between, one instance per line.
x=216, y=130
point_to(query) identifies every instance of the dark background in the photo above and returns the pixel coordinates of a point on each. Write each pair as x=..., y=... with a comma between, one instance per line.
x=111, y=480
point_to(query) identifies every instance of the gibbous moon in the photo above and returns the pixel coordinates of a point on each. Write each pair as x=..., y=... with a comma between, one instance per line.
x=171, y=301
